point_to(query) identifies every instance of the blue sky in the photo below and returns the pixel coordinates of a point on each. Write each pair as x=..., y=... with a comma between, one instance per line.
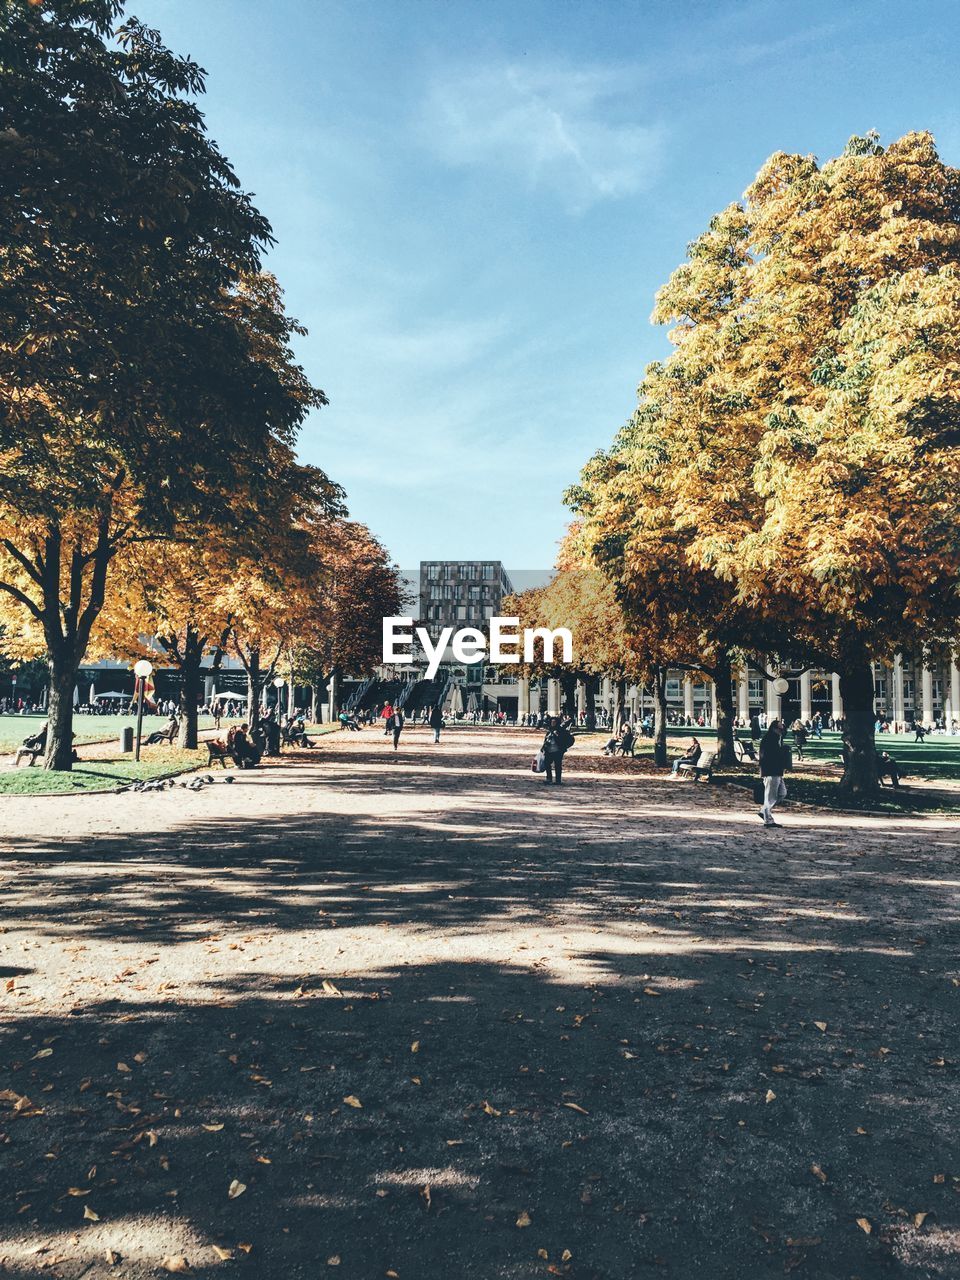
x=475, y=203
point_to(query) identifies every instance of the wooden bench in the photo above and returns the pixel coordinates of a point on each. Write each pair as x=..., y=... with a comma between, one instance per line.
x=703, y=767
x=218, y=752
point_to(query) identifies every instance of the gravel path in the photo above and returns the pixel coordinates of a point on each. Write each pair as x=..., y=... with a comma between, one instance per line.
x=422, y=1016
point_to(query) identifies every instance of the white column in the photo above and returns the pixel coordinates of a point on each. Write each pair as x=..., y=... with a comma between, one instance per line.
x=743, y=696
x=688, y=697
x=899, y=713
x=836, y=709
x=333, y=696
x=553, y=697
x=713, y=704
x=633, y=700
x=606, y=693
x=523, y=696
x=806, y=697
x=926, y=682
x=581, y=698
x=207, y=688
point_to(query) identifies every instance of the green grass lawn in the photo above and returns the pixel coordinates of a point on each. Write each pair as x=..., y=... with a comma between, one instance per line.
x=100, y=775
x=937, y=758
x=104, y=775
x=13, y=729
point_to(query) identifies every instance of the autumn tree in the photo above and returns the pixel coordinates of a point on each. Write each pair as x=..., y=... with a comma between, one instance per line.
x=135, y=401
x=808, y=417
x=360, y=587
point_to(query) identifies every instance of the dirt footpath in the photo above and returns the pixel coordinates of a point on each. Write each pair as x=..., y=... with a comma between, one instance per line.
x=423, y=1016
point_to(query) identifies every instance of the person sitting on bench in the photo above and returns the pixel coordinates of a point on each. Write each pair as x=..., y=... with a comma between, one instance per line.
x=33, y=746
x=245, y=754
x=887, y=768
x=166, y=734
x=623, y=745
x=689, y=757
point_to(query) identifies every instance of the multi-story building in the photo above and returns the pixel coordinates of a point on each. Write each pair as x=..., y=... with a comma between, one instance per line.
x=461, y=593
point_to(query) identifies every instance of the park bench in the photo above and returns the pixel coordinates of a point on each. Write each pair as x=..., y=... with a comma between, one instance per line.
x=32, y=751
x=218, y=752
x=163, y=735
x=703, y=767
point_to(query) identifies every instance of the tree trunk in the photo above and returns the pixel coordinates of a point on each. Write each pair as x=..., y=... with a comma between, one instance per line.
x=856, y=690
x=255, y=682
x=63, y=678
x=591, y=707
x=619, y=702
x=569, y=685
x=660, y=715
x=722, y=675
x=189, y=696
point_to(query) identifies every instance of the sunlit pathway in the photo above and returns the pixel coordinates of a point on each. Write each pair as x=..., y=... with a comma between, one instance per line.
x=615, y=1023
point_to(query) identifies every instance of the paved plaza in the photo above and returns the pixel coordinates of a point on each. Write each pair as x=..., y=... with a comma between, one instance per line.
x=423, y=1016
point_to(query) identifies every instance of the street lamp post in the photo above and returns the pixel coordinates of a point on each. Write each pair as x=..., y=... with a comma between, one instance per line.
x=141, y=670
x=278, y=683
x=780, y=687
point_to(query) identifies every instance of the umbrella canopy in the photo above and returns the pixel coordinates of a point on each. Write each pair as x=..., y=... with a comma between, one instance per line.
x=105, y=697
x=456, y=700
x=93, y=692
x=76, y=696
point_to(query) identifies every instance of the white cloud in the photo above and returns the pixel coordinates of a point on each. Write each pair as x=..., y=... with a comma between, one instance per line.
x=564, y=128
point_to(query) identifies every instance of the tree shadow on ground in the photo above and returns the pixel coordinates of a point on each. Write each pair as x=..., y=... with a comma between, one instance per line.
x=677, y=1047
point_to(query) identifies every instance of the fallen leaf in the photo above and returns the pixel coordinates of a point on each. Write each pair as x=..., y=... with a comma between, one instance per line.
x=491, y=1111
x=821, y=1026
x=770, y=1095
x=78, y=1191
x=264, y=1160
x=331, y=990
x=223, y=1254
x=524, y=1220
x=542, y=1253
x=213, y=1128
x=576, y=1107
x=415, y=1047
x=566, y=1255
x=918, y=1219
x=864, y=1225
x=333, y=1260
x=176, y=1262
x=649, y=991
x=111, y=1258
x=300, y=991
x=41, y=1053
x=122, y=1066
x=352, y=1101
x=9, y=984
x=818, y=1172
x=90, y=1215
x=247, y=1248
x=236, y=1189
x=425, y=1193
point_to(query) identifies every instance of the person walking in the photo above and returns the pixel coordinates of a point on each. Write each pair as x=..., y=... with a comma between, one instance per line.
x=436, y=721
x=556, y=743
x=800, y=735
x=773, y=762
x=396, y=723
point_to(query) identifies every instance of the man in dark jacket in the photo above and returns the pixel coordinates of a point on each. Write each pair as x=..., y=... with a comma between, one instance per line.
x=556, y=743
x=774, y=759
x=436, y=721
